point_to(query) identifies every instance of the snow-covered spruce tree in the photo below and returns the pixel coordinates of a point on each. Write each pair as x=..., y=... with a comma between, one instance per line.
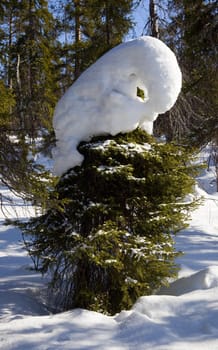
x=111, y=238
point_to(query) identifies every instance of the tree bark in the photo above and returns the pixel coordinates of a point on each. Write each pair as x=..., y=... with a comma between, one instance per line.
x=153, y=19
x=108, y=34
x=77, y=69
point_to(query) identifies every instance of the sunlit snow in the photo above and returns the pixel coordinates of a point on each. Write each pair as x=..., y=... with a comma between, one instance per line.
x=104, y=99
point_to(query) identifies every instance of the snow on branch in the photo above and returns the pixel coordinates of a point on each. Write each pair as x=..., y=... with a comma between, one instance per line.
x=105, y=98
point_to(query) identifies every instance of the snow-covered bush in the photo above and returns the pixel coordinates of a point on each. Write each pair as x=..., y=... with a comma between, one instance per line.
x=110, y=238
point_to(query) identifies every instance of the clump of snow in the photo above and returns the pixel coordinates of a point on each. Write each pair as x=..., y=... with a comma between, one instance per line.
x=104, y=99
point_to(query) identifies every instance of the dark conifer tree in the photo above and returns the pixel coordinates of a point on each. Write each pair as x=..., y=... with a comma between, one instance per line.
x=109, y=237
x=190, y=29
x=90, y=28
x=28, y=67
x=28, y=63
x=192, y=33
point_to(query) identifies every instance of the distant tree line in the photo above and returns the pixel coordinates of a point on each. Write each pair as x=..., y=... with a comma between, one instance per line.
x=190, y=28
x=45, y=46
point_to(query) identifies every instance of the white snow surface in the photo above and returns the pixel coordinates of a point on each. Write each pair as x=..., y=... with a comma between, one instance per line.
x=182, y=317
x=104, y=98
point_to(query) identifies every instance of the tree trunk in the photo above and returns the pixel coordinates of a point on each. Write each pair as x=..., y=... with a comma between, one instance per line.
x=10, y=84
x=77, y=69
x=107, y=18
x=153, y=19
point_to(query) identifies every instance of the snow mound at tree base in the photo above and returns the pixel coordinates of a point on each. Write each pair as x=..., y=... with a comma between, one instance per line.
x=203, y=279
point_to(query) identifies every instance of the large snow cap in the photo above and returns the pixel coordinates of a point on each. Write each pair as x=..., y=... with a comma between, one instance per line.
x=104, y=98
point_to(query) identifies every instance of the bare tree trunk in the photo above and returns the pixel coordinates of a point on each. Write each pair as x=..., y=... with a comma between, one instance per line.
x=108, y=33
x=10, y=84
x=18, y=72
x=77, y=69
x=31, y=39
x=20, y=100
x=153, y=19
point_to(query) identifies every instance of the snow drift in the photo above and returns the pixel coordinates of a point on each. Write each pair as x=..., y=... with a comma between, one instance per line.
x=104, y=99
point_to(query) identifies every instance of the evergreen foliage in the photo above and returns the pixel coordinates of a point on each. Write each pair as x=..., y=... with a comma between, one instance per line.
x=108, y=238
x=191, y=31
x=6, y=103
x=45, y=45
x=29, y=64
x=90, y=28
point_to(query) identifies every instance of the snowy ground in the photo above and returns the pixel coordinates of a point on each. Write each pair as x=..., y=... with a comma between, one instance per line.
x=183, y=317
